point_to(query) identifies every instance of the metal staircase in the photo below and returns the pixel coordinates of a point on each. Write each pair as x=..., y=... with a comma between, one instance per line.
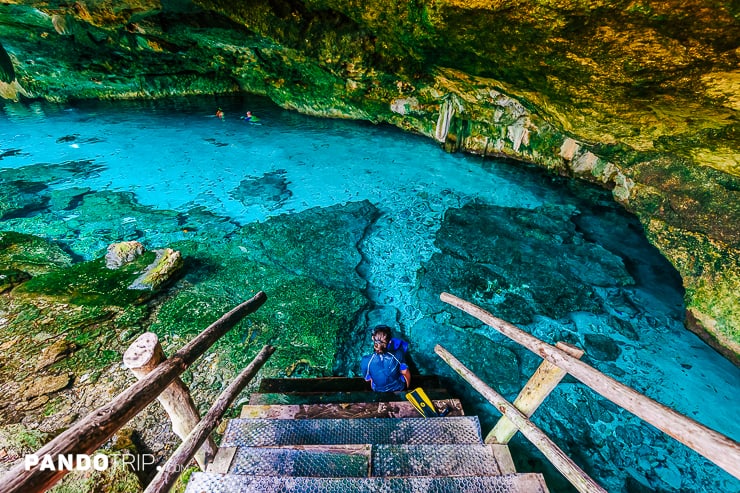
x=331, y=435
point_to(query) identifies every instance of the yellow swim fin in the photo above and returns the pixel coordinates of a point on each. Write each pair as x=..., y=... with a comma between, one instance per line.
x=422, y=403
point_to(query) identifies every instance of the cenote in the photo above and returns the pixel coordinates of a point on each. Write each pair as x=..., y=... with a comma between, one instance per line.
x=381, y=222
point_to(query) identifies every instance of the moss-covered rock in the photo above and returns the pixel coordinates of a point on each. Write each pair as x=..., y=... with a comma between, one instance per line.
x=27, y=253
x=90, y=283
x=122, y=253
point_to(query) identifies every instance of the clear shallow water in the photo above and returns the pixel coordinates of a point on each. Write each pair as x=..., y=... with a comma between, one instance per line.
x=177, y=156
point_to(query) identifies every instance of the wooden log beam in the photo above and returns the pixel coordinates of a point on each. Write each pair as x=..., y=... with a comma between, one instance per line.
x=539, y=439
x=722, y=450
x=534, y=393
x=142, y=357
x=169, y=473
x=89, y=433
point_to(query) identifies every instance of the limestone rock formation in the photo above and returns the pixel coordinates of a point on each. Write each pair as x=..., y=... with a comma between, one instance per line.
x=122, y=253
x=167, y=264
x=639, y=97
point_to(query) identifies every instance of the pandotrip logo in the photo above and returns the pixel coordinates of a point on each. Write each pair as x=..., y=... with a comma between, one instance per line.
x=87, y=462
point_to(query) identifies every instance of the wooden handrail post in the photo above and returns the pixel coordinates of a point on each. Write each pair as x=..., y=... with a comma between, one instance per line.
x=142, y=357
x=89, y=433
x=169, y=473
x=539, y=439
x=722, y=450
x=534, y=393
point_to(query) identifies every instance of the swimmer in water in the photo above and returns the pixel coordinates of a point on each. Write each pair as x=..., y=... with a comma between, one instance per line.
x=220, y=114
x=250, y=118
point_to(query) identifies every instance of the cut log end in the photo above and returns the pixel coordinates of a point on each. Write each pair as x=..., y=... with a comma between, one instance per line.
x=145, y=351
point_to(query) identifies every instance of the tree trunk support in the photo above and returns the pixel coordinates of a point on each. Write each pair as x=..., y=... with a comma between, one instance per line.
x=142, y=357
x=171, y=470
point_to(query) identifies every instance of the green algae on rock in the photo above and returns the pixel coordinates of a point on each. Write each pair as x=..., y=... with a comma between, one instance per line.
x=313, y=298
x=27, y=253
x=90, y=283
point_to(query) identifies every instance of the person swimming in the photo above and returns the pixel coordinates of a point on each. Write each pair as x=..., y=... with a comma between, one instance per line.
x=250, y=118
x=220, y=114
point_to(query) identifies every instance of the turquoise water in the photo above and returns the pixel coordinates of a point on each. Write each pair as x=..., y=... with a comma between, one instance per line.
x=177, y=156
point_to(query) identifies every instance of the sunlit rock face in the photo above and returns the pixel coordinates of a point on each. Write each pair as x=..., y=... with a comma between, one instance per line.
x=640, y=97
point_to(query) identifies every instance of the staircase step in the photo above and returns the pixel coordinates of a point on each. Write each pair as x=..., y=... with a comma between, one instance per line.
x=327, y=397
x=365, y=460
x=412, y=431
x=397, y=409
x=341, y=461
x=433, y=460
x=333, y=384
x=216, y=483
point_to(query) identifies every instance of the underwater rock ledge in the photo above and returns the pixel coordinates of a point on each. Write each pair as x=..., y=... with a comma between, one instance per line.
x=640, y=100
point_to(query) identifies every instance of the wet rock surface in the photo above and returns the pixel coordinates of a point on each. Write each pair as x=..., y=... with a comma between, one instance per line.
x=520, y=263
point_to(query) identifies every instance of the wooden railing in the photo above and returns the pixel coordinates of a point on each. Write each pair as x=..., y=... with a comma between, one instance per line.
x=88, y=434
x=719, y=449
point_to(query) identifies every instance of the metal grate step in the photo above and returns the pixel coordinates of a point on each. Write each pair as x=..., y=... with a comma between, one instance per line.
x=363, y=461
x=217, y=483
x=395, y=409
x=411, y=431
x=343, y=461
x=433, y=460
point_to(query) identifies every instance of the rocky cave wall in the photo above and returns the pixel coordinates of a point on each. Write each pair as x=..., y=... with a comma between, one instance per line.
x=638, y=96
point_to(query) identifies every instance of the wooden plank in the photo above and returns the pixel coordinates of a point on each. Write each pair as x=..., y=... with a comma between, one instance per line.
x=222, y=461
x=502, y=454
x=89, y=433
x=338, y=397
x=171, y=470
x=538, y=387
x=574, y=474
x=399, y=409
x=722, y=450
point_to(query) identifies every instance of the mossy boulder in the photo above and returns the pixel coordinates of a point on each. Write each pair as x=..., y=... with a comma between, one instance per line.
x=27, y=253
x=90, y=283
x=122, y=253
x=166, y=266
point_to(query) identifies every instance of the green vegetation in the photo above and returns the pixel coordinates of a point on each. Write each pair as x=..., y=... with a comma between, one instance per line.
x=92, y=283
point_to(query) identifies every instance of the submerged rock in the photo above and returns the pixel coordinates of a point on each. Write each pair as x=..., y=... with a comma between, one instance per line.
x=166, y=266
x=269, y=190
x=27, y=253
x=122, y=253
x=519, y=263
